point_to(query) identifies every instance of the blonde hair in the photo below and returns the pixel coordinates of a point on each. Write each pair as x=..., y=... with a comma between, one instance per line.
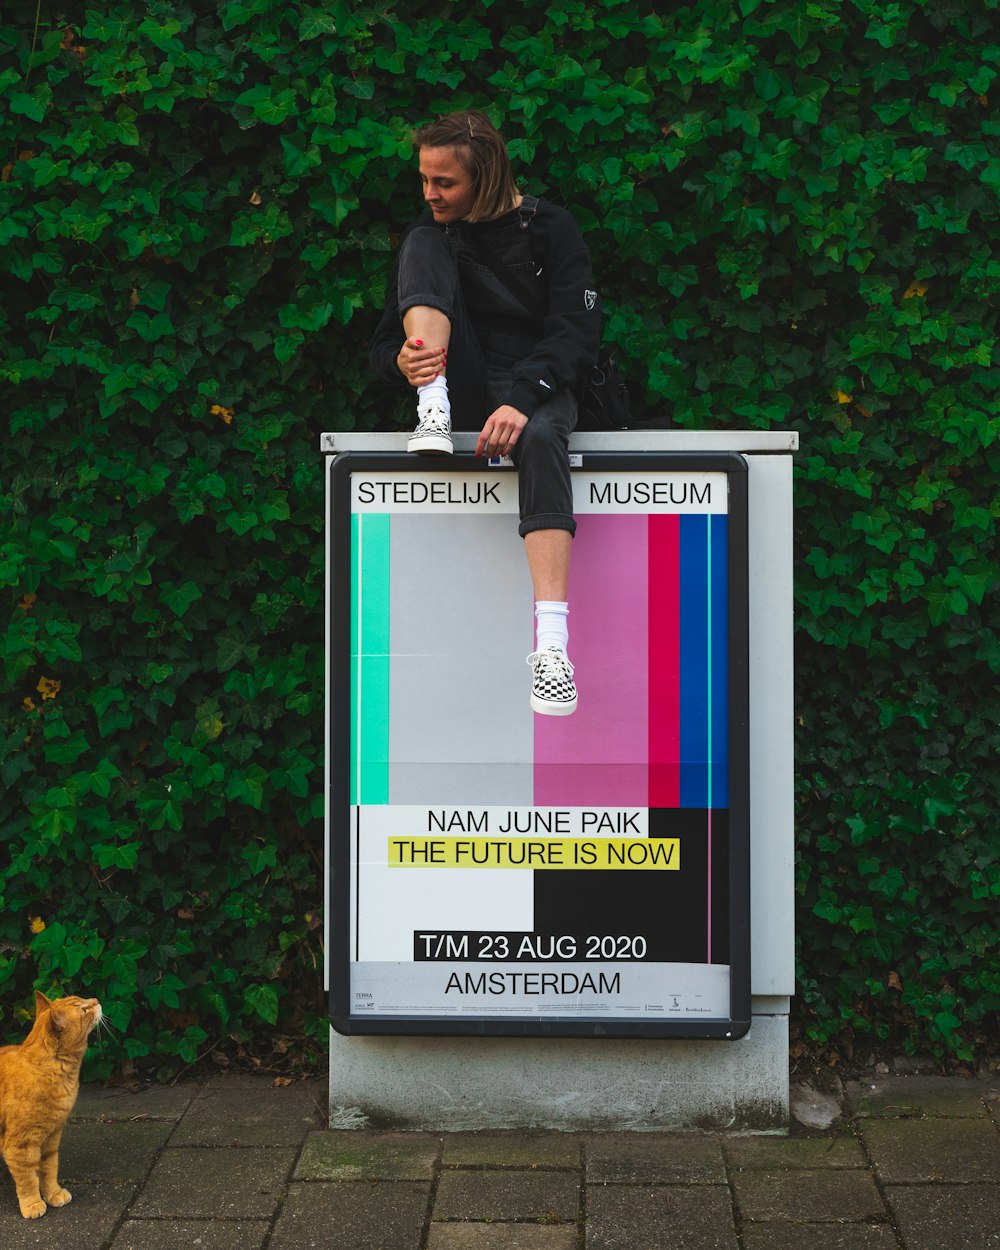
x=481, y=151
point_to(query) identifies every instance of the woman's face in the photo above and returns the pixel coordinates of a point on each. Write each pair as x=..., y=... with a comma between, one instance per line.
x=448, y=187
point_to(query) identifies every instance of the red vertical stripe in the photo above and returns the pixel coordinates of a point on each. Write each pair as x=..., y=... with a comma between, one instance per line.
x=664, y=662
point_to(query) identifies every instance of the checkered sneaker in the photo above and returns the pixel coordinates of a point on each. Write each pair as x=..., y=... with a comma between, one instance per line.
x=432, y=437
x=553, y=692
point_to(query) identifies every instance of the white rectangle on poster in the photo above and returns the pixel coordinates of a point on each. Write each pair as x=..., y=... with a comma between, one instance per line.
x=398, y=820
x=660, y=493
x=639, y=991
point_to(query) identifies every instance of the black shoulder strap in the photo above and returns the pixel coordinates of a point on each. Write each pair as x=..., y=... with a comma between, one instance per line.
x=527, y=210
x=517, y=288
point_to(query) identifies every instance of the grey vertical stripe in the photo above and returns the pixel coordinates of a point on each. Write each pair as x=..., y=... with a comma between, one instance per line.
x=461, y=728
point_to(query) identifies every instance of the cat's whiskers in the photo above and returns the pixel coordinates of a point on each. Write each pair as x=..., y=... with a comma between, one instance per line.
x=104, y=1025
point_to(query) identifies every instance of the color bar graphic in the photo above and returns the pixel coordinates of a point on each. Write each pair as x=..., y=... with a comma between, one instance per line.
x=648, y=637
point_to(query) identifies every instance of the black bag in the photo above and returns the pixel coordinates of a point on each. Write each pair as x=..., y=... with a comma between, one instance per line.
x=602, y=397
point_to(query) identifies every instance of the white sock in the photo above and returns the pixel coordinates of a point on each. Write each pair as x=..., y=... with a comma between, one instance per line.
x=436, y=392
x=551, y=625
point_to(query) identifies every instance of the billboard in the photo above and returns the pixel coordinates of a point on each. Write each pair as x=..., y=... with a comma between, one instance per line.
x=499, y=872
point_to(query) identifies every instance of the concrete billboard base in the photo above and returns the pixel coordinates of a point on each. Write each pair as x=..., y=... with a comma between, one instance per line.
x=468, y=1083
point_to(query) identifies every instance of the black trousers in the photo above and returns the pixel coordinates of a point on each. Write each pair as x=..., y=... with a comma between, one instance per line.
x=480, y=364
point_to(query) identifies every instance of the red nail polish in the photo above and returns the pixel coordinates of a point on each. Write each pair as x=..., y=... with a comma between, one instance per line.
x=418, y=342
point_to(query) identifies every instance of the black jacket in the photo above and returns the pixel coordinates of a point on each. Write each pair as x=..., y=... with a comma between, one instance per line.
x=565, y=331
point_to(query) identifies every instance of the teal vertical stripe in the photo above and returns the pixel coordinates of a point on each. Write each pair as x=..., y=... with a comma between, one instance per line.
x=370, y=658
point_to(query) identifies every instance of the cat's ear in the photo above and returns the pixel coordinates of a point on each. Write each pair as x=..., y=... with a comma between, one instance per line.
x=41, y=1003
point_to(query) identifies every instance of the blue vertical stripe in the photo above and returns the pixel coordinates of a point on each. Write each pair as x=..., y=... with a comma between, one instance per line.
x=704, y=661
x=720, y=660
x=695, y=676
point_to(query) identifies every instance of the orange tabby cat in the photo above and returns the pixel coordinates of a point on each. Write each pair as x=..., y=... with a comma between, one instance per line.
x=39, y=1081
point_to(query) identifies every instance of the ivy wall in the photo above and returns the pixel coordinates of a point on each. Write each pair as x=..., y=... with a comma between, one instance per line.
x=792, y=208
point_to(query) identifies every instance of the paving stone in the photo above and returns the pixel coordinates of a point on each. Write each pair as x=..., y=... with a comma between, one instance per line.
x=667, y=1217
x=887, y=1097
x=252, y=1111
x=86, y=1223
x=155, y=1102
x=638, y=1158
x=360, y=1156
x=819, y=1237
x=197, y=1183
x=502, y=1237
x=512, y=1150
x=947, y=1217
x=386, y=1215
x=806, y=1194
x=507, y=1196
x=936, y=1150
x=110, y=1151
x=192, y=1235
x=933, y=1150
x=770, y=1153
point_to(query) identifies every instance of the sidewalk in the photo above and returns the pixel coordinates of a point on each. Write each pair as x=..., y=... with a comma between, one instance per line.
x=235, y=1163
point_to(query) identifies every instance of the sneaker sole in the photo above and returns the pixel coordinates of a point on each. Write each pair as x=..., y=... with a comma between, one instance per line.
x=431, y=445
x=545, y=707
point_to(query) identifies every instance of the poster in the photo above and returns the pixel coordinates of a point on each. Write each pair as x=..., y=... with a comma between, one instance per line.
x=495, y=871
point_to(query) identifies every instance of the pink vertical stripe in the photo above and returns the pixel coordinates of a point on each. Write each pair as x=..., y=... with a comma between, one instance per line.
x=597, y=757
x=664, y=662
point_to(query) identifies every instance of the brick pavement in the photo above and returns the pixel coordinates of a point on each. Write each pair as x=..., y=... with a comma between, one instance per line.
x=235, y=1163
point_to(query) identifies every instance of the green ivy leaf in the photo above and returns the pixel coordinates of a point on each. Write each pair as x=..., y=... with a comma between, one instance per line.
x=248, y=786
x=260, y=856
x=262, y=999
x=180, y=597
x=315, y=22
x=124, y=856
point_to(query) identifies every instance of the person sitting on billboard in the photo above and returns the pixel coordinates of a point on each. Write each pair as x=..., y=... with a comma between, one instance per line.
x=492, y=295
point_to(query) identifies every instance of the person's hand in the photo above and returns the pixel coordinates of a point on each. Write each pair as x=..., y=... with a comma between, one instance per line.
x=501, y=431
x=420, y=364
